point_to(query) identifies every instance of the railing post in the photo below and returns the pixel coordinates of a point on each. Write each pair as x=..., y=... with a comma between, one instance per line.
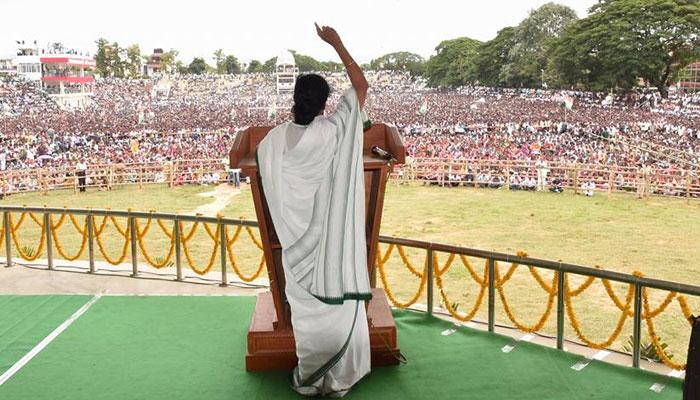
x=90, y=223
x=430, y=281
x=132, y=232
x=49, y=240
x=561, y=291
x=637, y=332
x=222, y=248
x=178, y=251
x=8, y=238
x=492, y=295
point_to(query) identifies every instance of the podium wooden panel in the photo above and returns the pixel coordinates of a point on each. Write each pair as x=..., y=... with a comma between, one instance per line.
x=270, y=338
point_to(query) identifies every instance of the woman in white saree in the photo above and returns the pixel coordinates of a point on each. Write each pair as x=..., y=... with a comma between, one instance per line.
x=312, y=176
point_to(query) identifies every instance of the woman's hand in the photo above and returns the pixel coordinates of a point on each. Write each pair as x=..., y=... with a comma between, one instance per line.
x=328, y=35
x=357, y=78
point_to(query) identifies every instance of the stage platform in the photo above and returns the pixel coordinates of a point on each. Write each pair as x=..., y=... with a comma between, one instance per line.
x=193, y=347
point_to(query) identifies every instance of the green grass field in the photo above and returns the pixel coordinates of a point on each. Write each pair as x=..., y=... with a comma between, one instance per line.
x=658, y=237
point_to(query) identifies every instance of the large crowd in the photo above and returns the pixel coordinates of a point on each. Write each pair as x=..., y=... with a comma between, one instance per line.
x=197, y=116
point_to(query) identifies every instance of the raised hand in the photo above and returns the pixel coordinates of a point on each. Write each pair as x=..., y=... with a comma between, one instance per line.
x=328, y=35
x=357, y=78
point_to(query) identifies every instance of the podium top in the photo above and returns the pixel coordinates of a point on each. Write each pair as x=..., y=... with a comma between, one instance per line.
x=242, y=153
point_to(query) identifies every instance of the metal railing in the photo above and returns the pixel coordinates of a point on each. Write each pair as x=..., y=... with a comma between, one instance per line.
x=109, y=176
x=133, y=233
x=490, y=173
x=431, y=272
x=443, y=172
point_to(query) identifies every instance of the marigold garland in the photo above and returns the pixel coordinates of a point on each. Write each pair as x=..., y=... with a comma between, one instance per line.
x=448, y=305
x=651, y=329
x=212, y=258
x=407, y=262
x=585, y=285
x=232, y=258
x=685, y=309
x=472, y=273
x=165, y=230
x=141, y=234
x=42, y=240
x=625, y=307
x=511, y=316
x=57, y=243
x=618, y=303
x=381, y=261
x=22, y=217
x=571, y=313
x=258, y=244
x=98, y=238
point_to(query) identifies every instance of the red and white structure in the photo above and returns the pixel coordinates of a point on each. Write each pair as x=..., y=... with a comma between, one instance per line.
x=68, y=78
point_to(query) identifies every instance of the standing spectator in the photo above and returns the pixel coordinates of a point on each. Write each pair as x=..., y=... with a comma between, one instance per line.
x=542, y=172
x=81, y=172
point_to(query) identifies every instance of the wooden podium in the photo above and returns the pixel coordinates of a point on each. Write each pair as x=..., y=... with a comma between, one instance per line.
x=270, y=338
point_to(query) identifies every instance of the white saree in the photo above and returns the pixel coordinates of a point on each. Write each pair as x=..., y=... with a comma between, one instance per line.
x=315, y=193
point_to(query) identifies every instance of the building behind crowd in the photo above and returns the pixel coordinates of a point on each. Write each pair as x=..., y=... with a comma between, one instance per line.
x=689, y=77
x=286, y=72
x=27, y=62
x=68, y=77
x=65, y=75
x=152, y=66
x=7, y=65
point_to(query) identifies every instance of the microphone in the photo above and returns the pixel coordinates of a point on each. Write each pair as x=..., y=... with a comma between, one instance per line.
x=381, y=153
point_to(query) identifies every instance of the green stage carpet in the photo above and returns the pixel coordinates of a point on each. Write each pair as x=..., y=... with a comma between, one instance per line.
x=193, y=348
x=26, y=320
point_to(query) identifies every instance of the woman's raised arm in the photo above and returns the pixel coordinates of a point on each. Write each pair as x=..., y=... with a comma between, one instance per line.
x=357, y=78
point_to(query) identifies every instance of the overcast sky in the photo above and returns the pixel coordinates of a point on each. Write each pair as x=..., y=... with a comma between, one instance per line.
x=259, y=29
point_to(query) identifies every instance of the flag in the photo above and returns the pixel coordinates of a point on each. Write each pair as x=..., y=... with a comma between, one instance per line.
x=568, y=102
x=608, y=101
x=142, y=118
x=272, y=112
x=423, y=108
x=134, y=146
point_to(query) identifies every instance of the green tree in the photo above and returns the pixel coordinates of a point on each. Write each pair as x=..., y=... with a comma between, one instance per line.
x=254, y=66
x=492, y=56
x=133, y=58
x=230, y=65
x=198, y=66
x=400, y=61
x=117, y=60
x=180, y=68
x=306, y=63
x=219, y=58
x=101, y=57
x=624, y=40
x=332, y=66
x=168, y=61
x=453, y=64
x=269, y=65
x=531, y=41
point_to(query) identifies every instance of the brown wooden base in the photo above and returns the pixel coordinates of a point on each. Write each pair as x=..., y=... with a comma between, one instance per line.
x=274, y=349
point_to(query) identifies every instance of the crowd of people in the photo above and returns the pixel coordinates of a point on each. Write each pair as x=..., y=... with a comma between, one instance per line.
x=197, y=117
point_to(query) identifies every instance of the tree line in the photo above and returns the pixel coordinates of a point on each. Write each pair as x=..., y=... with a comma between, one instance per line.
x=620, y=44
x=113, y=60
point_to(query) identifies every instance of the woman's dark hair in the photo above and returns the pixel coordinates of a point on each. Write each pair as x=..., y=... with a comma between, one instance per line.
x=310, y=94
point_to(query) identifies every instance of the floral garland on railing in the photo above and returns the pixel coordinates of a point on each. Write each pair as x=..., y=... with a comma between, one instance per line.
x=551, y=289
x=439, y=270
